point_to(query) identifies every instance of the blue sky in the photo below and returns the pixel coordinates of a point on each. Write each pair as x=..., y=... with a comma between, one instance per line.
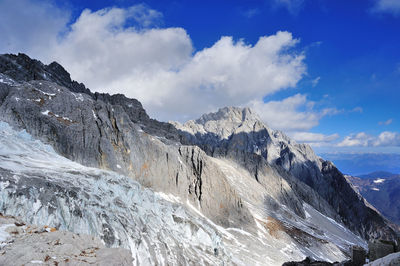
x=327, y=72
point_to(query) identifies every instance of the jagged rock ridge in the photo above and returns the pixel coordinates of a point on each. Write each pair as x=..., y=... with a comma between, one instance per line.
x=229, y=166
x=238, y=134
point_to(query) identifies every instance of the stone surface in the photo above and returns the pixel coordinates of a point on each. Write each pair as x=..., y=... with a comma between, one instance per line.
x=358, y=256
x=238, y=134
x=26, y=244
x=379, y=249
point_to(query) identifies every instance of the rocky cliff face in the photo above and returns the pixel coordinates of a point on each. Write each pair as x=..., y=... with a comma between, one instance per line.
x=106, y=132
x=382, y=190
x=238, y=134
x=255, y=187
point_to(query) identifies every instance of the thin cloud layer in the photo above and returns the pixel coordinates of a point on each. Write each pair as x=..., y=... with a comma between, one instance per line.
x=387, y=6
x=30, y=26
x=314, y=139
x=293, y=6
x=385, y=123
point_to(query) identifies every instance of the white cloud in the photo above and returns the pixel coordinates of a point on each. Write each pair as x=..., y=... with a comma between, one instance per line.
x=387, y=138
x=145, y=16
x=387, y=6
x=294, y=113
x=362, y=139
x=158, y=66
x=386, y=123
x=30, y=26
x=314, y=139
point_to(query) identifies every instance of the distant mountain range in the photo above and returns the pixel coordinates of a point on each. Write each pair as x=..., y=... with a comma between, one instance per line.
x=382, y=190
x=378, y=174
x=358, y=164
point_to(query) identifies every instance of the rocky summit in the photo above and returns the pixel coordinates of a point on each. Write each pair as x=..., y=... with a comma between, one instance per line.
x=224, y=189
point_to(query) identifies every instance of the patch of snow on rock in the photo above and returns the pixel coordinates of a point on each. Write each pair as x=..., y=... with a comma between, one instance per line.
x=379, y=180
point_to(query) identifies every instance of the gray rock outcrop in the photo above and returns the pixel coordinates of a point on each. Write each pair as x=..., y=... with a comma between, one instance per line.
x=238, y=134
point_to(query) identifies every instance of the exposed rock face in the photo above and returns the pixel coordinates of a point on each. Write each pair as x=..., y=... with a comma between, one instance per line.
x=48, y=189
x=238, y=134
x=267, y=198
x=310, y=262
x=100, y=134
x=22, y=68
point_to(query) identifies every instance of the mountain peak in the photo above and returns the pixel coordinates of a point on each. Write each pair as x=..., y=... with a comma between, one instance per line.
x=231, y=114
x=224, y=122
x=22, y=68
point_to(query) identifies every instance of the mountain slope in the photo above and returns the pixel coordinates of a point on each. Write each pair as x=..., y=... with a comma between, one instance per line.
x=46, y=188
x=238, y=134
x=252, y=188
x=382, y=191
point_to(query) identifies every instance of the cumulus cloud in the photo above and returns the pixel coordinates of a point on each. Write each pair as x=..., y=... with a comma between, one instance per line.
x=159, y=67
x=387, y=6
x=294, y=113
x=118, y=50
x=362, y=139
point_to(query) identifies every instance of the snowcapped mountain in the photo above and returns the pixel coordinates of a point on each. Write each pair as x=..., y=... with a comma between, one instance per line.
x=223, y=189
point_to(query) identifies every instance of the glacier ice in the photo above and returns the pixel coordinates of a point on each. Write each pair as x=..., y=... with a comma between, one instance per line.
x=45, y=188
